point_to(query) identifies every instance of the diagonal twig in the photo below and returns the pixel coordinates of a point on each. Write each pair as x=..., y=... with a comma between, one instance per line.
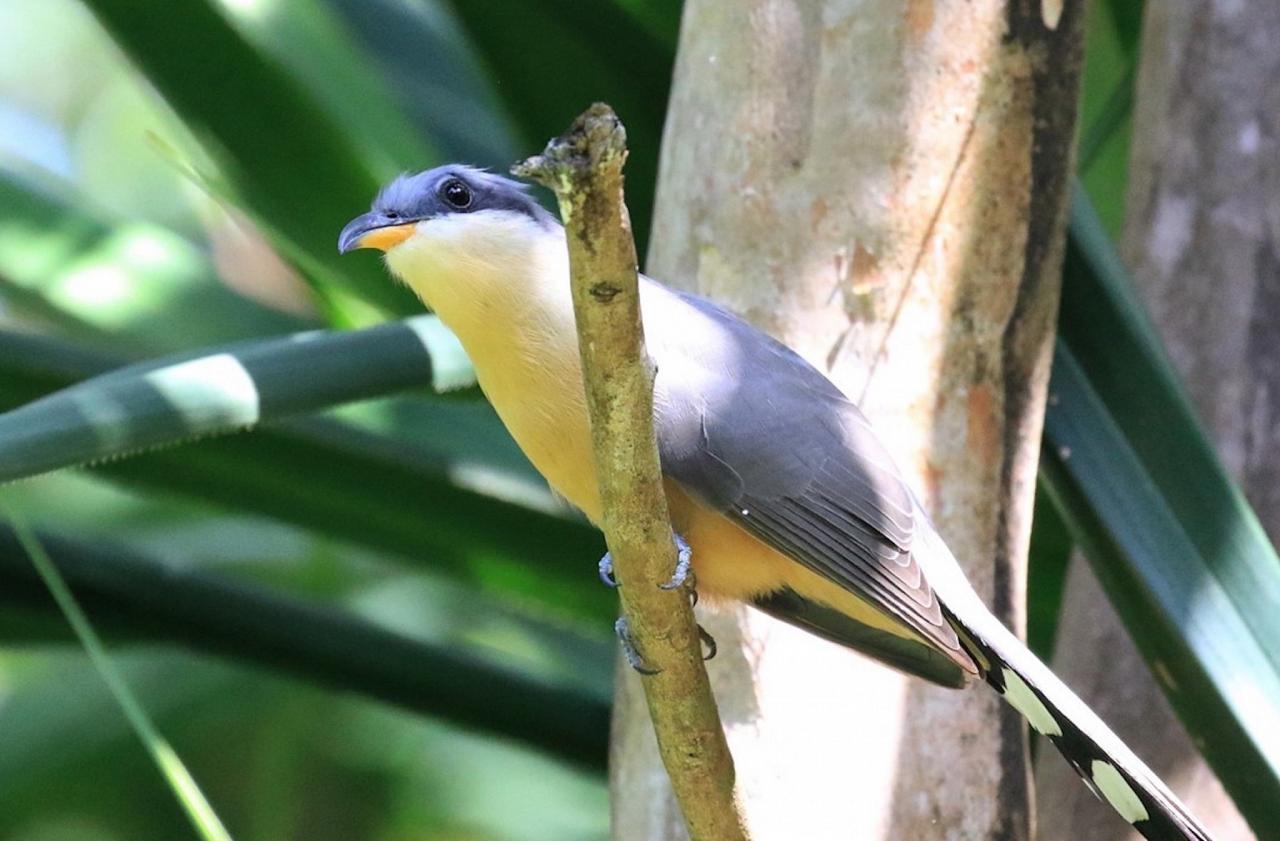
x=584, y=168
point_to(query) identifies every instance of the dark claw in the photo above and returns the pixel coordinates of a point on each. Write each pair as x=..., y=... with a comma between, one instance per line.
x=709, y=641
x=683, y=571
x=629, y=649
x=606, y=571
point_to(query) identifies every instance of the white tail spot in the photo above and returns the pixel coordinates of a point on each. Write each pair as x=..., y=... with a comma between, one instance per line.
x=1117, y=791
x=1051, y=13
x=1022, y=699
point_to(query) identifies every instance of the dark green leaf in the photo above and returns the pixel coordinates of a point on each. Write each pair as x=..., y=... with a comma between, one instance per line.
x=432, y=70
x=1173, y=542
x=307, y=37
x=1126, y=17
x=1107, y=331
x=128, y=591
x=1047, y=565
x=550, y=59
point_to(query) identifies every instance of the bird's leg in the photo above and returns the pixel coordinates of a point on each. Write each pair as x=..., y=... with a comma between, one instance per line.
x=629, y=648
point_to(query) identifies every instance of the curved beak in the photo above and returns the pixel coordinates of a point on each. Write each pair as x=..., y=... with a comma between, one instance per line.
x=373, y=230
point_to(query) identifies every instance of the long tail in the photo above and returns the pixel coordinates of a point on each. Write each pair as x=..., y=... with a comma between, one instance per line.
x=1104, y=762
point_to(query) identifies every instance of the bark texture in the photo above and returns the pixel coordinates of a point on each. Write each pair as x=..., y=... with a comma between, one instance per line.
x=881, y=185
x=1202, y=237
x=584, y=168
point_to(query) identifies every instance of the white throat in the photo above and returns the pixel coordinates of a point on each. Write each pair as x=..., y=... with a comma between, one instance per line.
x=500, y=281
x=487, y=274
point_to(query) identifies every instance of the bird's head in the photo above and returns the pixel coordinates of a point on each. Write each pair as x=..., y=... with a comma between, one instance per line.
x=455, y=230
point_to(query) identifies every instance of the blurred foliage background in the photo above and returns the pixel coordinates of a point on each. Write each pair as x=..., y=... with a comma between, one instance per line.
x=174, y=176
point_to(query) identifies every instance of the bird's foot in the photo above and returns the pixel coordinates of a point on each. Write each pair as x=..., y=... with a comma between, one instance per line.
x=629, y=648
x=682, y=576
x=684, y=565
x=709, y=641
x=606, y=571
x=623, y=630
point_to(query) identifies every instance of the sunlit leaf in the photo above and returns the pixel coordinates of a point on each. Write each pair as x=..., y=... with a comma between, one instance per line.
x=222, y=390
x=298, y=172
x=461, y=507
x=309, y=40
x=129, y=285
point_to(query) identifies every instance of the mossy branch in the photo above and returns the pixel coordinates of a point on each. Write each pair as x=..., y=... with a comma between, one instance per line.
x=584, y=168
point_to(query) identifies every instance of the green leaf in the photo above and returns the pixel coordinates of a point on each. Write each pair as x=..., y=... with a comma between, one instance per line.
x=1047, y=562
x=461, y=505
x=122, y=284
x=1106, y=329
x=1172, y=540
x=32, y=365
x=309, y=40
x=1113, y=117
x=1106, y=118
x=61, y=718
x=299, y=172
x=148, y=599
x=201, y=814
x=550, y=59
x=1126, y=17
x=660, y=17
x=221, y=390
x=433, y=72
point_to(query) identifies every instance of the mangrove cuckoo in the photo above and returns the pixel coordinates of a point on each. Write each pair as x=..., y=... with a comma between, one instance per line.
x=775, y=480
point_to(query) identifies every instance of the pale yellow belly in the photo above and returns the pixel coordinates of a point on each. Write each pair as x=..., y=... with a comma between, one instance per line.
x=547, y=417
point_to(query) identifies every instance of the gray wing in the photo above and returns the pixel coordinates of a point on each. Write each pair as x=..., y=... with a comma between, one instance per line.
x=750, y=428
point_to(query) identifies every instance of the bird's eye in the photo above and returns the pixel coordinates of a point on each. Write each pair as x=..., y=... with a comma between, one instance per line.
x=392, y=214
x=456, y=193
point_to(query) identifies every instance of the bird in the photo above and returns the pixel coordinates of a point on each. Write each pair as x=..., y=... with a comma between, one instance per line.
x=780, y=492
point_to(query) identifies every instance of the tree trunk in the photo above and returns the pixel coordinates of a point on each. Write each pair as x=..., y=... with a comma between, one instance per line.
x=882, y=186
x=1202, y=237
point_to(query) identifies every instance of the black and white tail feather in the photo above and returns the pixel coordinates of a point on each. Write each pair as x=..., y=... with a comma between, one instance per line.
x=1101, y=759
